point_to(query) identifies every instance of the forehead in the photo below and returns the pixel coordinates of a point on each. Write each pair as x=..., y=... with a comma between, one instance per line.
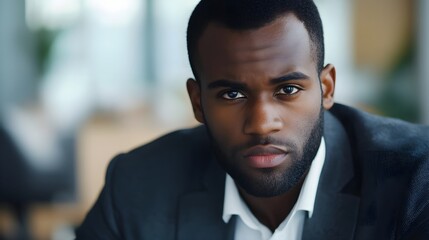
x=282, y=43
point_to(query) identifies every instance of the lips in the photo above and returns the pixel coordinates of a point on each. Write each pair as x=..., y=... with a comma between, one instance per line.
x=265, y=156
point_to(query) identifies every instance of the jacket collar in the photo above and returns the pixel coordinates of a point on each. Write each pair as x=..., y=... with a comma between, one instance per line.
x=337, y=202
x=207, y=203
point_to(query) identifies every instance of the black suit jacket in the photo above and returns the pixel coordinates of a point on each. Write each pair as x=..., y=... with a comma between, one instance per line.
x=374, y=185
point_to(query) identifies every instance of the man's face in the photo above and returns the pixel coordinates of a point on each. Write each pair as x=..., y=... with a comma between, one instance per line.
x=260, y=97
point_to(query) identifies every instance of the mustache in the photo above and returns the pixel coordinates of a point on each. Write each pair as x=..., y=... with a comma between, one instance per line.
x=253, y=142
x=267, y=140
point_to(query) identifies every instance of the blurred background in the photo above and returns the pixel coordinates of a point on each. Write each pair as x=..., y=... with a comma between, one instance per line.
x=83, y=80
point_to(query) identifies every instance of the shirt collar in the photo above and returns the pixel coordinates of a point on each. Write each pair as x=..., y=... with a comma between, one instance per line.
x=235, y=205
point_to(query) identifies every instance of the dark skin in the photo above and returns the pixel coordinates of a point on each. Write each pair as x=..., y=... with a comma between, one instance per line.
x=258, y=84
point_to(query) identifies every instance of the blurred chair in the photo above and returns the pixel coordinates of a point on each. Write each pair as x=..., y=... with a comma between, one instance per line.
x=23, y=184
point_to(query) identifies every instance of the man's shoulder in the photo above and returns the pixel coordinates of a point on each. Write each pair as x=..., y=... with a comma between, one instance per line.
x=370, y=132
x=176, y=156
x=144, y=187
x=392, y=162
x=386, y=149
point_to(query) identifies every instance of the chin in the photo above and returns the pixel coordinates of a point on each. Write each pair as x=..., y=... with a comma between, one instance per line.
x=268, y=182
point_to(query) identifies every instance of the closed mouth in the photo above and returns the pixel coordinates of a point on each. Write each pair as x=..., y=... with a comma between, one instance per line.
x=265, y=156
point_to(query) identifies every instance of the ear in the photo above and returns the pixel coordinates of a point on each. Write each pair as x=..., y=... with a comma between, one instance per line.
x=327, y=80
x=194, y=92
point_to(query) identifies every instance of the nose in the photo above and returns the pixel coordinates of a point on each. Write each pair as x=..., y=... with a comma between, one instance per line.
x=262, y=118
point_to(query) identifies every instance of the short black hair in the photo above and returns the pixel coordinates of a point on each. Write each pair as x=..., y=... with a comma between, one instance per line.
x=253, y=14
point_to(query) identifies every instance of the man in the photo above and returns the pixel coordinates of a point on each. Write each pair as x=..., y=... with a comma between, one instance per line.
x=270, y=161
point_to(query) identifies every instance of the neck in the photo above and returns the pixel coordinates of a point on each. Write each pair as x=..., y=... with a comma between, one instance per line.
x=271, y=211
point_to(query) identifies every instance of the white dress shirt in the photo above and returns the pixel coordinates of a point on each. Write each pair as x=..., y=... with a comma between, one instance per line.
x=248, y=226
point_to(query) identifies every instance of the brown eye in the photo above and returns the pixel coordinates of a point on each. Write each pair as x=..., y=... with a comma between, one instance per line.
x=231, y=95
x=288, y=90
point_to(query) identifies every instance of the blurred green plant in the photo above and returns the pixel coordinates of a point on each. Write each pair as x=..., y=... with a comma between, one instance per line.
x=44, y=39
x=399, y=96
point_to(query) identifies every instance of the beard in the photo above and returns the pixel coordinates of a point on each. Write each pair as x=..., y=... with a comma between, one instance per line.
x=270, y=182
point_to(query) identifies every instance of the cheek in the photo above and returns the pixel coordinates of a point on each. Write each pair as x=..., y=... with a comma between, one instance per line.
x=302, y=115
x=311, y=103
x=223, y=122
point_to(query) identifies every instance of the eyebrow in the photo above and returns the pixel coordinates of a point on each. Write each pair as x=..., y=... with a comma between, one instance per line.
x=226, y=84
x=289, y=77
x=237, y=85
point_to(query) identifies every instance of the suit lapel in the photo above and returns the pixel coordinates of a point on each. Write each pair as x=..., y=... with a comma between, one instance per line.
x=337, y=202
x=200, y=212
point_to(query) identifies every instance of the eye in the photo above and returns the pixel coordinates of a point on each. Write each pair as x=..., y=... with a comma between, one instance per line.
x=289, y=90
x=231, y=95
